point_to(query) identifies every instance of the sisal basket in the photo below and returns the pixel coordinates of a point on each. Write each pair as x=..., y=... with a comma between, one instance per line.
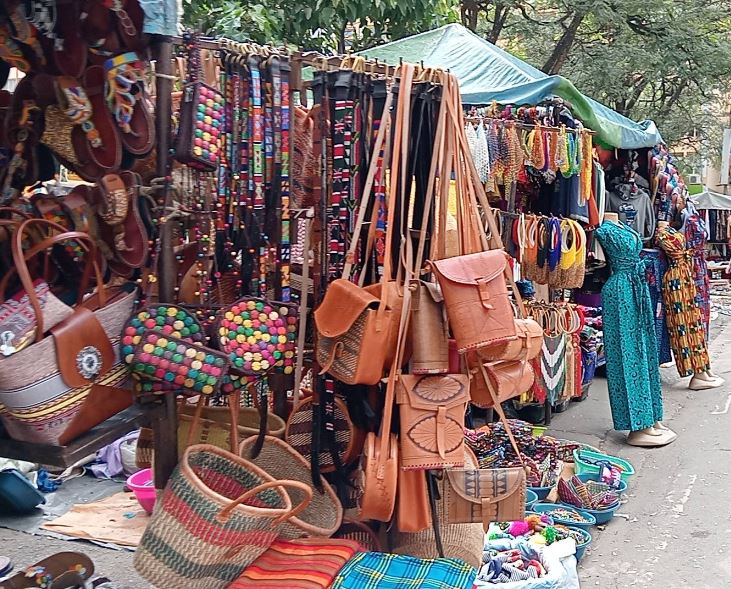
x=217, y=515
x=324, y=514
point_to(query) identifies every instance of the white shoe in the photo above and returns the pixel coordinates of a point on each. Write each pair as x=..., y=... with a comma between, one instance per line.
x=646, y=439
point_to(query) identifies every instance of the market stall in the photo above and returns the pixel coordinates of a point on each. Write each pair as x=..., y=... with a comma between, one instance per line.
x=299, y=301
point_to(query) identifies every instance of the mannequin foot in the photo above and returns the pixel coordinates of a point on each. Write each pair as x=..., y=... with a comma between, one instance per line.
x=651, y=437
x=704, y=380
x=660, y=426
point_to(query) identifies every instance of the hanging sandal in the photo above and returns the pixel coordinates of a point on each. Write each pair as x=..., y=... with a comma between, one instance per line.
x=107, y=155
x=69, y=53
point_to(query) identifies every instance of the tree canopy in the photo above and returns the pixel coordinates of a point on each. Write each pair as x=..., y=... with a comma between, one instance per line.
x=665, y=60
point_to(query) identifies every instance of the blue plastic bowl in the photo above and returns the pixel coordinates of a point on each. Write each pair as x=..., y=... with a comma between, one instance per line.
x=602, y=516
x=530, y=499
x=542, y=492
x=581, y=548
x=589, y=517
x=583, y=467
x=595, y=477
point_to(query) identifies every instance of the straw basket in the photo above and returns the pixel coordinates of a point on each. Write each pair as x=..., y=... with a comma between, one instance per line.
x=218, y=513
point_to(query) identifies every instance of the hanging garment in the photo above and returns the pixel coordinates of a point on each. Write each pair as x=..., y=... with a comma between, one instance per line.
x=685, y=320
x=634, y=207
x=656, y=264
x=630, y=344
x=553, y=366
x=695, y=241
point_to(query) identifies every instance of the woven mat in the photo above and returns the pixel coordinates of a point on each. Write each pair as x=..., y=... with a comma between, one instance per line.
x=117, y=519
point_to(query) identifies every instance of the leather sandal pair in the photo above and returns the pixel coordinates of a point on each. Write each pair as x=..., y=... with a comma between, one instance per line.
x=116, y=199
x=111, y=28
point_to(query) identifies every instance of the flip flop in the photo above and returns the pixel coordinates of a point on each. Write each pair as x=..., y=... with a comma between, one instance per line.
x=135, y=233
x=5, y=566
x=49, y=569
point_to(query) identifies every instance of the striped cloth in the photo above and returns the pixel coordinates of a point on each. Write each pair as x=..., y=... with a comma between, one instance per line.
x=308, y=563
x=377, y=570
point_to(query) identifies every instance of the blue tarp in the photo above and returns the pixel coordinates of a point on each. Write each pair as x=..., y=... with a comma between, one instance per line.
x=486, y=73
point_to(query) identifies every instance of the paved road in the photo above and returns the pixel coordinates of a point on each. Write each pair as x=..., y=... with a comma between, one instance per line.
x=677, y=534
x=678, y=531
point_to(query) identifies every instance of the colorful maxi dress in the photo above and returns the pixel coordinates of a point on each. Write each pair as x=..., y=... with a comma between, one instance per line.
x=656, y=266
x=630, y=343
x=685, y=320
x=695, y=241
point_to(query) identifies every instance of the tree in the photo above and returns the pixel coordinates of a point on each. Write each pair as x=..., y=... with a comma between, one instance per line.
x=326, y=25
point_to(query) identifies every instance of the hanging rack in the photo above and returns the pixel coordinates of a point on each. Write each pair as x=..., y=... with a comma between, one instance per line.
x=528, y=126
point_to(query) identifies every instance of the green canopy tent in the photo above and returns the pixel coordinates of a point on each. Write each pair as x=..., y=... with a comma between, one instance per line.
x=486, y=73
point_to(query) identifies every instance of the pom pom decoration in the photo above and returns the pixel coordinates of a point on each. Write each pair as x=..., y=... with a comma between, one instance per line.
x=518, y=528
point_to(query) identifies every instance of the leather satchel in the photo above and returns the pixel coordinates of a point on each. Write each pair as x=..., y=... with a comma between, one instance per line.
x=476, y=298
x=429, y=330
x=526, y=347
x=485, y=495
x=354, y=329
x=509, y=379
x=431, y=410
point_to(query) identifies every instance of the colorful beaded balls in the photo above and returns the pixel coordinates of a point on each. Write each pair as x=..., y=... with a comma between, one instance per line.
x=258, y=336
x=208, y=125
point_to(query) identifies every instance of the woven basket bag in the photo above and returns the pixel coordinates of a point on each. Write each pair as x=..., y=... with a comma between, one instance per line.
x=324, y=514
x=217, y=514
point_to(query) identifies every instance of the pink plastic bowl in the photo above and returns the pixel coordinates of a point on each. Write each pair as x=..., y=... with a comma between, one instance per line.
x=143, y=488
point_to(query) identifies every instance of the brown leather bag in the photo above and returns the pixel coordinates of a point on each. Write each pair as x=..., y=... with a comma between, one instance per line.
x=431, y=411
x=354, y=331
x=526, y=347
x=509, y=379
x=476, y=298
x=485, y=495
x=413, y=513
x=429, y=330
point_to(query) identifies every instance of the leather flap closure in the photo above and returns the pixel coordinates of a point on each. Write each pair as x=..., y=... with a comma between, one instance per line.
x=473, y=269
x=83, y=350
x=344, y=302
x=486, y=484
x=429, y=392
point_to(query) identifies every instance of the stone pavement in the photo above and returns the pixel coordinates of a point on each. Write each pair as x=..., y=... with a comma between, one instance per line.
x=674, y=533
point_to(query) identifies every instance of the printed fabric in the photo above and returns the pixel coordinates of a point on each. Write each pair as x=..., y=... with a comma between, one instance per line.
x=685, y=320
x=377, y=570
x=310, y=563
x=656, y=266
x=695, y=241
x=630, y=343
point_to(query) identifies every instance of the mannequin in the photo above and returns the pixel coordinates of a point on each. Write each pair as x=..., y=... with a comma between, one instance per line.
x=632, y=368
x=702, y=378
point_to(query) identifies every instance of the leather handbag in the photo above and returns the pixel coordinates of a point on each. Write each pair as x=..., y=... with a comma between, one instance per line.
x=354, y=328
x=431, y=411
x=485, y=495
x=429, y=330
x=509, y=379
x=526, y=346
x=476, y=298
x=64, y=384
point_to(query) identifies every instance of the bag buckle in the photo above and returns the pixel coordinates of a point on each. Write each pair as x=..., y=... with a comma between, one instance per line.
x=484, y=293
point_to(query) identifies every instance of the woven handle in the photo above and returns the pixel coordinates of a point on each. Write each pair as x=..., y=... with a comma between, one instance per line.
x=225, y=513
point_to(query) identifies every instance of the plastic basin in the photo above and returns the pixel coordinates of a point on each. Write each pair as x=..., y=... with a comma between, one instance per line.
x=588, y=516
x=530, y=499
x=141, y=485
x=542, y=492
x=603, y=516
x=583, y=467
x=595, y=477
x=581, y=547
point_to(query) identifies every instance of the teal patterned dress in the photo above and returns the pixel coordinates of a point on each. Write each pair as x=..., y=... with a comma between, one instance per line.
x=630, y=341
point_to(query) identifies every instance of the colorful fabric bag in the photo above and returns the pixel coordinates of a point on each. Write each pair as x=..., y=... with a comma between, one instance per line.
x=377, y=570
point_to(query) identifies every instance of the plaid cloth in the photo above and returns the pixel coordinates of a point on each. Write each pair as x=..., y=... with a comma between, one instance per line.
x=308, y=563
x=377, y=570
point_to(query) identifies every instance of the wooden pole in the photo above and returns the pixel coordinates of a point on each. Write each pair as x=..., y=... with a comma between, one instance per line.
x=166, y=426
